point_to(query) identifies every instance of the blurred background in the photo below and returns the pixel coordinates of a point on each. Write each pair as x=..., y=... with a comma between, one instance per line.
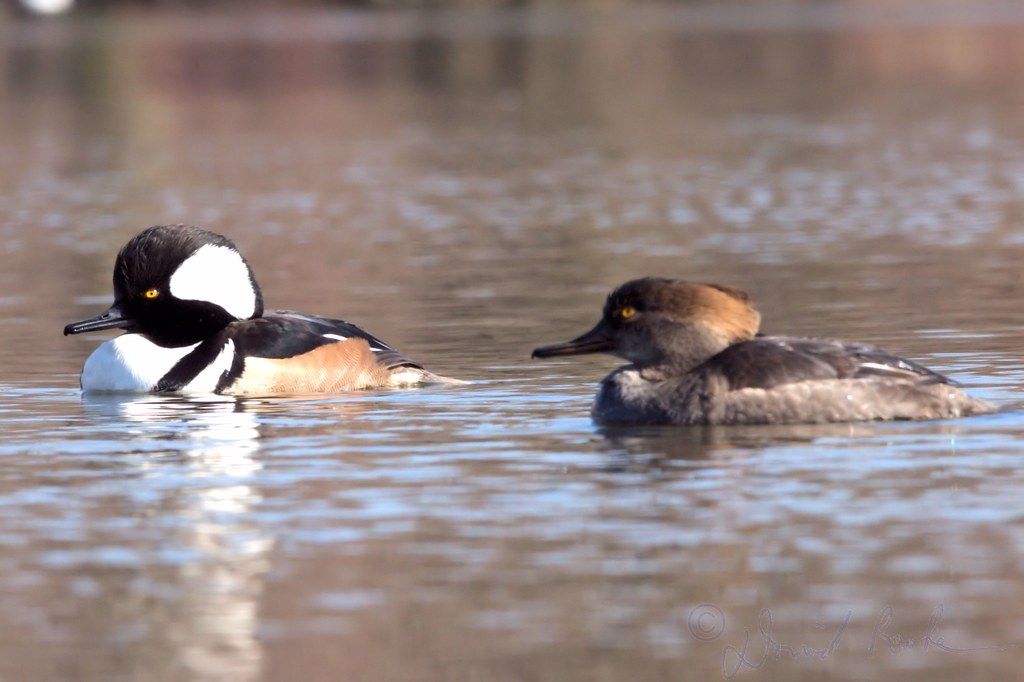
x=468, y=181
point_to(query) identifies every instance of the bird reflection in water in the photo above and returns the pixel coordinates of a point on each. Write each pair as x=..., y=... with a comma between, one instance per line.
x=640, y=448
x=197, y=477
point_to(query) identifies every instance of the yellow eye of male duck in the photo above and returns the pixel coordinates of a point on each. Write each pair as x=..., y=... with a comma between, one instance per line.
x=152, y=293
x=627, y=312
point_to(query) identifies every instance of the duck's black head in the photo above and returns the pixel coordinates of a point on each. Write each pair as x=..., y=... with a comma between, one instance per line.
x=655, y=321
x=178, y=285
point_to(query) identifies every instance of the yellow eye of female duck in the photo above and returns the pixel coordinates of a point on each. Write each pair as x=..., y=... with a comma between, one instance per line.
x=152, y=293
x=627, y=312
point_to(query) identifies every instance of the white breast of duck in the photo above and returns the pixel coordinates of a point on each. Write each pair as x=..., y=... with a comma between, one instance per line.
x=133, y=364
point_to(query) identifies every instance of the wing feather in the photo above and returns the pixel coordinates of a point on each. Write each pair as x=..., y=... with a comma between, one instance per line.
x=770, y=361
x=285, y=334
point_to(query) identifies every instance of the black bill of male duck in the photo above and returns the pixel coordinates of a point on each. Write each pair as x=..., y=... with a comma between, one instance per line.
x=696, y=358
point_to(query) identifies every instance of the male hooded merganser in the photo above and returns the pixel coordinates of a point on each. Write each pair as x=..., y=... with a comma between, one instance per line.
x=697, y=359
x=195, y=323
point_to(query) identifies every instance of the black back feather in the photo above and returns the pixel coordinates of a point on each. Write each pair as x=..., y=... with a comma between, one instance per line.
x=285, y=334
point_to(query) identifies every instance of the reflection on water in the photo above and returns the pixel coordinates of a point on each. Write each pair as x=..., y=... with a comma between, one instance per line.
x=173, y=518
x=218, y=556
x=467, y=184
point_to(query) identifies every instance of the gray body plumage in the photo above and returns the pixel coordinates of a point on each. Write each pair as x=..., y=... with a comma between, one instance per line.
x=777, y=380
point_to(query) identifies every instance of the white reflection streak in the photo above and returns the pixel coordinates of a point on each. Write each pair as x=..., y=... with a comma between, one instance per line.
x=214, y=630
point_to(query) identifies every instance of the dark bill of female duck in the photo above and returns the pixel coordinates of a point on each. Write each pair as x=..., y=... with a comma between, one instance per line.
x=597, y=340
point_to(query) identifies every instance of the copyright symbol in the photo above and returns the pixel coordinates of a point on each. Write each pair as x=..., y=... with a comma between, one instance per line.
x=706, y=622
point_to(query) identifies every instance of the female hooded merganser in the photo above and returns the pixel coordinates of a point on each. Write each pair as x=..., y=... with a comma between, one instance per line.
x=697, y=359
x=195, y=323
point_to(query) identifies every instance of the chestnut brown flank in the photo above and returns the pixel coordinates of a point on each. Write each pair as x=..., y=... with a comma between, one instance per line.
x=344, y=366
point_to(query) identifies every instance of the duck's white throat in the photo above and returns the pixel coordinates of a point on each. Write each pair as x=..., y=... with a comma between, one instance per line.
x=218, y=275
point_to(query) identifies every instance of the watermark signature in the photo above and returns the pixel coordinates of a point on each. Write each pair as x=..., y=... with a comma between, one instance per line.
x=759, y=645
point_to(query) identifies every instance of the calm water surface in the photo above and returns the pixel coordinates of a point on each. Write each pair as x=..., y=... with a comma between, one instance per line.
x=468, y=186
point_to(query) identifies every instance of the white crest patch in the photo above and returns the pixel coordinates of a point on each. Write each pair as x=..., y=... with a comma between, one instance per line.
x=218, y=275
x=129, y=364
